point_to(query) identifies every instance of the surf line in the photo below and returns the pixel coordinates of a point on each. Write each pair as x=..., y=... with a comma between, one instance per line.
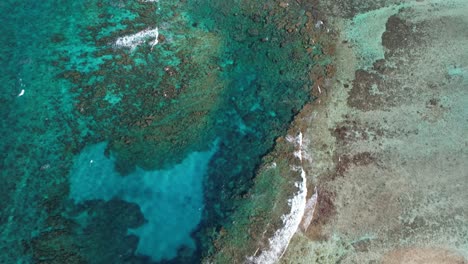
x=291, y=221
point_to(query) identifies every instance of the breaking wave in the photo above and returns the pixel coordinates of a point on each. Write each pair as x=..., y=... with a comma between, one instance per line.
x=291, y=221
x=133, y=41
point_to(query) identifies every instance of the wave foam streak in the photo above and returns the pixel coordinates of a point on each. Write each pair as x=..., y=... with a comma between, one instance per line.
x=133, y=41
x=291, y=221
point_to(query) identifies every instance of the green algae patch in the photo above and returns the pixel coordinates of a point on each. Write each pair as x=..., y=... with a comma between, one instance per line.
x=258, y=214
x=264, y=213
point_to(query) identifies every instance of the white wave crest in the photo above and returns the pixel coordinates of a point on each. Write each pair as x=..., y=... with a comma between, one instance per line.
x=133, y=41
x=291, y=221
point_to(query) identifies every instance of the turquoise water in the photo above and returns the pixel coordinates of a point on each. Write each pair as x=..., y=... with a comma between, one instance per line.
x=119, y=154
x=170, y=200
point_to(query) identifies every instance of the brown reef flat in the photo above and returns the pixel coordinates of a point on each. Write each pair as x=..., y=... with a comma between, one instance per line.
x=388, y=139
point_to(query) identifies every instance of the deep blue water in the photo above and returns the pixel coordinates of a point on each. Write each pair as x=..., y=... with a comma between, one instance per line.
x=128, y=154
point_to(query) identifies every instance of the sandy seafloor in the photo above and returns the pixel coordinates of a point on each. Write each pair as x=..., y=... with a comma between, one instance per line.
x=389, y=137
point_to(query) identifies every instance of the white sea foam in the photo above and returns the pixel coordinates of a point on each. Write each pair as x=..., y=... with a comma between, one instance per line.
x=291, y=221
x=133, y=41
x=271, y=166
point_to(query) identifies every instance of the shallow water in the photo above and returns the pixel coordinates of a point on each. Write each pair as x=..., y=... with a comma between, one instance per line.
x=130, y=129
x=170, y=200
